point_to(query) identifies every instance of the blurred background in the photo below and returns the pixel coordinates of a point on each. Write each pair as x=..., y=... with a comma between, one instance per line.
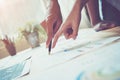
x=19, y=16
x=15, y=14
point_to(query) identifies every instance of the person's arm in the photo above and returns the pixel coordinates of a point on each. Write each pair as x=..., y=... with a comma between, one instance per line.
x=96, y=21
x=70, y=26
x=53, y=20
x=93, y=11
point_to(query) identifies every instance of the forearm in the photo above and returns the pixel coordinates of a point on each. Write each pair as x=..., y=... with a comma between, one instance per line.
x=76, y=10
x=93, y=10
x=79, y=4
x=53, y=6
x=53, y=3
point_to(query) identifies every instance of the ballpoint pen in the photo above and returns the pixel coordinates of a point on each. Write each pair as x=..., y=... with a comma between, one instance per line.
x=49, y=48
x=50, y=45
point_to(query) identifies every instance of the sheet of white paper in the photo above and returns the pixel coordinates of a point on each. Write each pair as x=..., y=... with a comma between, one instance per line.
x=63, y=54
x=103, y=59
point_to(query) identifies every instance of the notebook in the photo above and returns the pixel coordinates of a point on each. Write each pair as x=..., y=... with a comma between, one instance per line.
x=17, y=70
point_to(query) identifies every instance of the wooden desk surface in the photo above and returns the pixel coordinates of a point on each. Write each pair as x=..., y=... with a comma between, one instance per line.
x=61, y=65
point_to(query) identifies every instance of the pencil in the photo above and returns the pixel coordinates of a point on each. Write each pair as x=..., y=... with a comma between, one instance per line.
x=49, y=49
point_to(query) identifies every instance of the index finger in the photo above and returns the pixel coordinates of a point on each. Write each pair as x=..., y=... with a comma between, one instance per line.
x=56, y=37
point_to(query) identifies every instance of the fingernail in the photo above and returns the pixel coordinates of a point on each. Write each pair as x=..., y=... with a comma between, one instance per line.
x=46, y=45
x=74, y=37
x=53, y=46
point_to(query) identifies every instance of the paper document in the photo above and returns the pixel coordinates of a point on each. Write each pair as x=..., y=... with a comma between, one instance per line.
x=14, y=71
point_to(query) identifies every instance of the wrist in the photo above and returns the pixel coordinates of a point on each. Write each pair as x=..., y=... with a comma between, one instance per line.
x=54, y=2
x=53, y=8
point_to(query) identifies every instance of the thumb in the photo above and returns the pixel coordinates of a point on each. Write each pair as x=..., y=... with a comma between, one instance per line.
x=75, y=32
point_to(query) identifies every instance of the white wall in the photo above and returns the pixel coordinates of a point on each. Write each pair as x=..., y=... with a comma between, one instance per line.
x=15, y=13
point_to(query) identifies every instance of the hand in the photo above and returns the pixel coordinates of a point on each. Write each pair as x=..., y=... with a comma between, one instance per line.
x=104, y=25
x=53, y=21
x=69, y=29
x=70, y=26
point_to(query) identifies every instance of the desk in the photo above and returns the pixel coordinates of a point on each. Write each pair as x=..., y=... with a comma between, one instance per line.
x=63, y=65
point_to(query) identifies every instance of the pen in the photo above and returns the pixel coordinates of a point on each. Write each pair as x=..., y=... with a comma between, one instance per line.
x=50, y=45
x=49, y=48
